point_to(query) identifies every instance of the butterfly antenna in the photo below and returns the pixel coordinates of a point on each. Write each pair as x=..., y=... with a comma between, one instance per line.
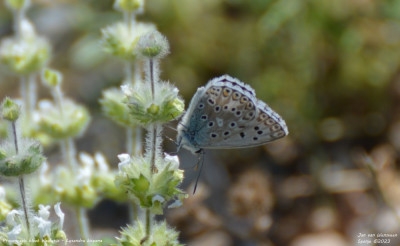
x=183, y=125
x=170, y=139
x=201, y=161
x=170, y=127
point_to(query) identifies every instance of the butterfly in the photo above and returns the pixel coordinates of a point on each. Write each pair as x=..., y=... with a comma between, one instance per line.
x=226, y=114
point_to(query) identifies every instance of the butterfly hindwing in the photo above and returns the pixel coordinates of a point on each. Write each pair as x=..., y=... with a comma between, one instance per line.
x=226, y=114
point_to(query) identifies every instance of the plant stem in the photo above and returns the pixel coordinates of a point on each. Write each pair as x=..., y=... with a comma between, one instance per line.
x=24, y=205
x=28, y=94
x=24, y=94
x=31, y=92
x=83, y=224
x=68, y=152
x=128, y=73
x=58, y=98
x=129, y=140
x=148, y=223
x=133, y=208
x=21, y=182
x=138, y=140
x=15, y=137
x=67, y=145
x=129, y=18
x=152, y=82
x=153, y=143
x=18, y=17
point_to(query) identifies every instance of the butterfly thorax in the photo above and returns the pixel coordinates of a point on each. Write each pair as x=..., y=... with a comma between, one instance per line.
x=187, y=139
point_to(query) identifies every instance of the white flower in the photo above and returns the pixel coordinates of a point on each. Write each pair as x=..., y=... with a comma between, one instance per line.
x=158, y=198
x=43, y=225
x=125, y=159
x=11, y=216
x=175, y=204
x=127, y=90
x=86, y=159
x=2, y=193
x=61, y=172
x=84, y=175
x=45, y=104
x=14, y=233
x=44, y=211
x=27, y=29
x=101, y=162
x=173, y=159
x=43, y=177
x=60, y=215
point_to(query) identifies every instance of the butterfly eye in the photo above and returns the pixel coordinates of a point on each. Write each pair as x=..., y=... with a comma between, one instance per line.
x=204, y=117
x=236, y=96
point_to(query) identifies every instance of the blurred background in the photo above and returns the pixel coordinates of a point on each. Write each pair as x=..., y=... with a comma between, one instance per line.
x=331, y=69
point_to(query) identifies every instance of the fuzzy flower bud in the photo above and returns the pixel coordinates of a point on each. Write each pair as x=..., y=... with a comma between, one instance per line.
x=51, y=78
x=26, y=161
x=129, y=5
x=121, y=40
x=60, y=214
x=71, y=123
x=166, y=106
x=114, y=108
x=26, y=55
x=150, y=190
x=161, y=235
x=18, y=4
x=153, y=45
x=10, y=110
